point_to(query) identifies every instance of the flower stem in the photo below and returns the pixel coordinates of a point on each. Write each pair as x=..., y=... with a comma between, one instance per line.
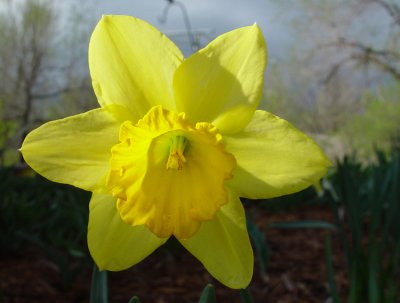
x=246, y=296
x=99, y=287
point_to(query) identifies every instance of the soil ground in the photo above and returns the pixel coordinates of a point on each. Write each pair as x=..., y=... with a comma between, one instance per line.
x=296, y=271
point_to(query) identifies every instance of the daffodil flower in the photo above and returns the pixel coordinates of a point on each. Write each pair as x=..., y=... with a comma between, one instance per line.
x=173, y=146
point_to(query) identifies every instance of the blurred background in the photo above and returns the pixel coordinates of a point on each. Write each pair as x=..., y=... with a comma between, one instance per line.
x=334, y=66
x=333, y=72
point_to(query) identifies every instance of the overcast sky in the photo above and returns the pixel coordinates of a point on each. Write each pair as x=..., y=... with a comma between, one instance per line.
x=212, y=16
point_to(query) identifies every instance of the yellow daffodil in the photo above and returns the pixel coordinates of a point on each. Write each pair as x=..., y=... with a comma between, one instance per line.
x=173, y=146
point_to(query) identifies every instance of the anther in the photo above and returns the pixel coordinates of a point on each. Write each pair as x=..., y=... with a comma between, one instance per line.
x=176, y=157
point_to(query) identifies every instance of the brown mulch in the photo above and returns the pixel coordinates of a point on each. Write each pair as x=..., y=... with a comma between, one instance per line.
x=296, y=271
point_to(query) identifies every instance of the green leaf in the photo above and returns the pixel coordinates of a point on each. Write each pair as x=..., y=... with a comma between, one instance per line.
x=302, y=224
x=208, y=295
x=134, y=299
x=374, y=266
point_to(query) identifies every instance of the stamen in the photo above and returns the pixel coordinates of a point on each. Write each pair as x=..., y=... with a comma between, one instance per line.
x=176, y=157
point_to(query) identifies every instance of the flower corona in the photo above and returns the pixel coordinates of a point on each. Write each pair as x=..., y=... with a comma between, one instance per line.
x=163, y=168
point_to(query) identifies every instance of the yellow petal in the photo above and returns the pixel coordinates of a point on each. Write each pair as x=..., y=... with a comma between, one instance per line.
x=113, y=244
x=274, y=158
x=223, y=246
x=132, y=64
x=75, y=150
x=222, y=83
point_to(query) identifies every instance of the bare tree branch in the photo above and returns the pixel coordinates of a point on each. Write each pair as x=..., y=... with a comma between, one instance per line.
x=62, y=91
x=391, y=8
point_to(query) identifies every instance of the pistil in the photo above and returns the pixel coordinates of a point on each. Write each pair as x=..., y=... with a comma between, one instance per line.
x=176, y=157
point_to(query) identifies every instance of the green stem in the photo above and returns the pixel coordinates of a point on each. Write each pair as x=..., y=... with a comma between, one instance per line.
x=99, y=287
x=246, y=296
x=330, y=271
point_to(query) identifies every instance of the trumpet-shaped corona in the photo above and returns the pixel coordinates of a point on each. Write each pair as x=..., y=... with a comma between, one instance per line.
x=163, y=168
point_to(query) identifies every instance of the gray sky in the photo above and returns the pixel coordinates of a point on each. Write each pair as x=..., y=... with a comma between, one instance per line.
x=218, y=16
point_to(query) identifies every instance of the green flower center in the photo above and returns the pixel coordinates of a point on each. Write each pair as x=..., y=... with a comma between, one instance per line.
x=176, y=157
